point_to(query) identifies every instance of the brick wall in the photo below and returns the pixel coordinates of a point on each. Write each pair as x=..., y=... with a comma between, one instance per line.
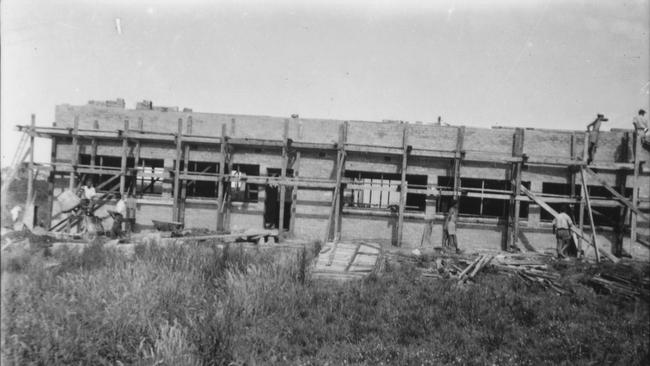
x=556, y=144
x=537, y=143
x=432, y=137
x=313, y=205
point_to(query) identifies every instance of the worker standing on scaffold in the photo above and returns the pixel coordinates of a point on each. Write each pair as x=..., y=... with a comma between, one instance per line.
x=641, y=127
x=594, y=131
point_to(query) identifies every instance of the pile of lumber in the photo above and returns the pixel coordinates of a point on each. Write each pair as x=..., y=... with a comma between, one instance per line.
x=621, y=283
x=531, y=269
x=444, y=269
x=475, y=267
x=455, y=267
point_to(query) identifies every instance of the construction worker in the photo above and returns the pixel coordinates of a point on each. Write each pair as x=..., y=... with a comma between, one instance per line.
x=641, y=127
x=118, y=216
x=450, y=227
x=594, y=131
x=89, y=191
x=131, y=208
x=562, y=225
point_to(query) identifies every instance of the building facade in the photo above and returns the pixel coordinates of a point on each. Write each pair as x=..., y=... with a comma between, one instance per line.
x=388, y=182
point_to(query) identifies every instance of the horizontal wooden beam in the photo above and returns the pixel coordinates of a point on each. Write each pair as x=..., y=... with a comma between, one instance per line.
x=470, y=155
x=200, y=177
x=255, y=142
x=490, y=157
x=387, y=150
x=313, y=145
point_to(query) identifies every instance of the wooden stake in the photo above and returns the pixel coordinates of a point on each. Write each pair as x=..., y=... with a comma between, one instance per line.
x=635, y=192
x=73, y=161
x=328, y=229
x=340, y=161
x=283, y=174
x=177, y=169
x=572, y=172
x=343, y=137
x=125, y=146
x=294, y=194
x=93, y=153
x=222, y=175
x=517, y=192
x=591, y=216
x=621, y=176
x=403, y=187
x=30, y=173
x=186, y=163
x=75, y=153
x=515, y=182
x=50, y=184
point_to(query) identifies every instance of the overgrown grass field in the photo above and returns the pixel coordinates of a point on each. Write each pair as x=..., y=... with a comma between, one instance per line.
x=199, y=305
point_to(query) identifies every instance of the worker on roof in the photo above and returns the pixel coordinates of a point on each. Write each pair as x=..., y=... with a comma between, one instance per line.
x=641, y=127
x=594, y=131
x=562, y=225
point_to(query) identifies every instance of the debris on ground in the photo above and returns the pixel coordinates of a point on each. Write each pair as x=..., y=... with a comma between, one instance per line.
x=533, y=269
x=624, y=281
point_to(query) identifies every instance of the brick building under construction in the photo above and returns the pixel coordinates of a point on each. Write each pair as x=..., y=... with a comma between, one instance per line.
x=389, y=182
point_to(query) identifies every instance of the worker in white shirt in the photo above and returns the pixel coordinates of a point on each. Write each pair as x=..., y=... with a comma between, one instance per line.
x=88, y=190
x=641, y=127
x=562, y=229
x=118, y=216
x=594, y=132
x=450, y=227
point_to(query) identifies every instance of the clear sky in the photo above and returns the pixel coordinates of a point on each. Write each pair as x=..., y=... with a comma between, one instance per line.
x=537, y=63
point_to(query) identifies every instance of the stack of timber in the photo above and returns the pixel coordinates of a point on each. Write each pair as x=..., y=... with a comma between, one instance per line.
x=531, y=269
x=346, y=260
x=621, y=281
x=475, y=267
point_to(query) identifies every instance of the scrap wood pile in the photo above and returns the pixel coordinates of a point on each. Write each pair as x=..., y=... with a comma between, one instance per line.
x=621, y=281
x=535, y=270
x=531, y=269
